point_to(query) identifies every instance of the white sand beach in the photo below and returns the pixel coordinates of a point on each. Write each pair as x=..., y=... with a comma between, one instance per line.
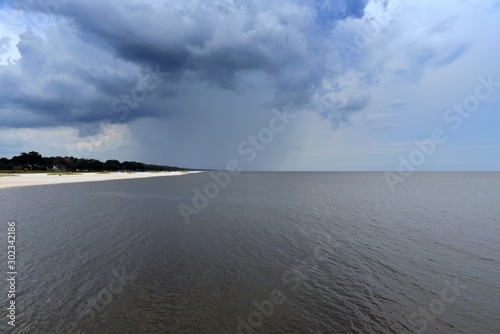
x=37, y=179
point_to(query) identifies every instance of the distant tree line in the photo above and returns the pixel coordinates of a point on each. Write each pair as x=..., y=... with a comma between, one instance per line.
x=34, y=161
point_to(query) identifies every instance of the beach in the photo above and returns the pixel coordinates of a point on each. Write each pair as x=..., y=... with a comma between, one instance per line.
x=38, y=179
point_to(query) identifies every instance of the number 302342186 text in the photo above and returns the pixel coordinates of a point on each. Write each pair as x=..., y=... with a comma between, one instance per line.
x=11, y=265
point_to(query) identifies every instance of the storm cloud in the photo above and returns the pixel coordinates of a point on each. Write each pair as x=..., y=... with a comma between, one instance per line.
x=91, y=52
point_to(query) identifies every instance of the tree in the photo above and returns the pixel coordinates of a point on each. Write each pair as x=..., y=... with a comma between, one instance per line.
x=112, y=165
x=32, y=159
x=93, y=164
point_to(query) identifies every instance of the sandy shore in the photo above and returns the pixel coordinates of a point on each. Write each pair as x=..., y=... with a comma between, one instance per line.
x=37, y=179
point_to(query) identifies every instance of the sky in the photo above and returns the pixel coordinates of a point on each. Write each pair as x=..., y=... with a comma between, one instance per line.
x=317, y=85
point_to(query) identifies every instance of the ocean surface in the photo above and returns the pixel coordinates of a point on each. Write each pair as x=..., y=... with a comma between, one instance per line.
x=266, y=253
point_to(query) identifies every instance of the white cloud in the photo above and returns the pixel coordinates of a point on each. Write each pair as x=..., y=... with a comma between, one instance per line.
x=67, y=141
x=11, y=26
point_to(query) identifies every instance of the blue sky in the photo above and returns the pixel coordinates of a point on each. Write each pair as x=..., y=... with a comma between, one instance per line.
x=190, y=83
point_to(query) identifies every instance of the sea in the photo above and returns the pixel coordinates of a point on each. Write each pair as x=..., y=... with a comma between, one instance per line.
x=281, y=252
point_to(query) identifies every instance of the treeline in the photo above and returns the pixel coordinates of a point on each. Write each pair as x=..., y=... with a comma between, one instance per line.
x=34, y=161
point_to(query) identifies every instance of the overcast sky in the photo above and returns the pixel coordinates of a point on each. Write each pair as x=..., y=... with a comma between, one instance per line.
x=272, y=84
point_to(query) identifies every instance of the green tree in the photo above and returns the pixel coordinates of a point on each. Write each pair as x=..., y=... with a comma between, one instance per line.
x=112, y=165
x=32, y=159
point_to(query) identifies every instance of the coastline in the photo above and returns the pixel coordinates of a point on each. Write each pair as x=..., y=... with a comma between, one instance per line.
x=39, y=179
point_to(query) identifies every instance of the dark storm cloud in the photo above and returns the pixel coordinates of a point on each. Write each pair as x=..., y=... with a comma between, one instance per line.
x=75, y=77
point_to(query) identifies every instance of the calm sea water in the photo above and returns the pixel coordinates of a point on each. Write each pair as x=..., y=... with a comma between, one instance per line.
x=272, y=253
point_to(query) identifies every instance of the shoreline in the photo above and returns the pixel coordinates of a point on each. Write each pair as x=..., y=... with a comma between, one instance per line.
x=41, y=179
